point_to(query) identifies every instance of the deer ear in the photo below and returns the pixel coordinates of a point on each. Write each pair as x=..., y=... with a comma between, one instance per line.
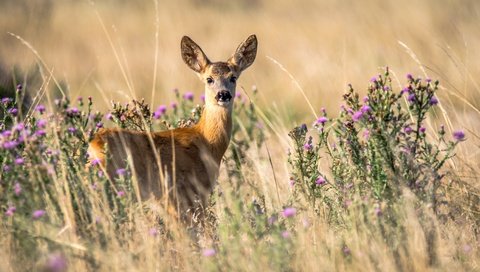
x=245, y=53
x=193, y=55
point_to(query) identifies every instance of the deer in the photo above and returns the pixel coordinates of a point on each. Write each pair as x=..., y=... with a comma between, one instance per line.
x=182, y=164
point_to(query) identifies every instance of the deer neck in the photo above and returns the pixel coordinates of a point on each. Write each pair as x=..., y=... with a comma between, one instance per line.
x=216, y=127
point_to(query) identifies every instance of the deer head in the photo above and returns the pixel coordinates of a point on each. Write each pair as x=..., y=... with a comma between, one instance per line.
x=220, y=78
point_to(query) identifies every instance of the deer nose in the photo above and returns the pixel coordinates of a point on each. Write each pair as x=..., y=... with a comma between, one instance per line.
x=223, y=96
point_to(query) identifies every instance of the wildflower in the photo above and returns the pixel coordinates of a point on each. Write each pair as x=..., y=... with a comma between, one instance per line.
x=411, y=98
x=13, y=111
x=40, y=108
x=433, y=101
x=40, y=132
x=188, y=96
x=291, y=182
x=373, y=79
x=10, y=211
x=41, y=123
x=6, y=100
x=378, y=211
x=6, y=168
x=209, y=252
x=109, y=116
x=322, y=120
x=272, y=219
x=162, y=109
x=6, y=133
x=357, y=116
x=289, y=212
x=386, y=88
x=407, y=129
x=365, y=99
x=366, y=134
x=409, y=77
x=307, y=146
x=38, y=214
x=405, y=90
x=72, y=130
x=428, y=80
x=19, y=161
x=173, y=105
x=153, y=232
x=323, y=110
x=286, y=234
x=99, y=125
x=72, y=111
x=56, y=263
x=10, y=144
x=95, y=162
x=346, y=250
x=365, y=108
x=320, y=181
x=121, y=171
x=422, y=129
x=121, y=193
x=459, y=135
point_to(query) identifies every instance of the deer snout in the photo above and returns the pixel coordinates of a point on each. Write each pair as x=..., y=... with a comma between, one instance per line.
x=223, y=96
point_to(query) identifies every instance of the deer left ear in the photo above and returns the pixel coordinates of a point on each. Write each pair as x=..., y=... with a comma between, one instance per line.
x=245, y=54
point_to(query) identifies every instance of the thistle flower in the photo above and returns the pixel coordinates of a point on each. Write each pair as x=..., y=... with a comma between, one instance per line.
x=188, y=96
x=322, y=120
x=42, y=123
x=153, y=232
x=409, y=77
x=120, y=193
x=422, y=129
x=433, y=101
x=459, y=135
x=40, y=108
x=320, y=181
x=286, y=234
x=10, y=144
x=365, y=108
x=56, y=263
x=357, y=116
x=19, y=161
x=10, y=211
x=407, y=129
x=289, y=212
x=307, y=146
x=38, y=214
x=173, y=105
x=6, y=100
x=13, y=111
x=121, y=171
x=373, y=79
x=411, y=98
x=209, y=252
x=72, y=130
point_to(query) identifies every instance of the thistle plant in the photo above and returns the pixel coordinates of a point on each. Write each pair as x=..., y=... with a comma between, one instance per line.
x=377, y=146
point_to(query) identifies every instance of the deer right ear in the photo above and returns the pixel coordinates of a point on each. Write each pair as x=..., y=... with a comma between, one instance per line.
x=193, y=55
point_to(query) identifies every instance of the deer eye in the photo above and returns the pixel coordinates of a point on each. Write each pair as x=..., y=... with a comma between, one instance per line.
x=209, y=80
x=233, y=79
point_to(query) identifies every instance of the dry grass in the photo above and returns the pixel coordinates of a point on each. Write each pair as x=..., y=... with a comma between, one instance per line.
x=108, y=49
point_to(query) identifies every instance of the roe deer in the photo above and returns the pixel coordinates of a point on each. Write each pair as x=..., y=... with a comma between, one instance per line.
x=182, y=164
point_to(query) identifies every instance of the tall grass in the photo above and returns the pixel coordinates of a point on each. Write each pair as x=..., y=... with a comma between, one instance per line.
x=387, y=182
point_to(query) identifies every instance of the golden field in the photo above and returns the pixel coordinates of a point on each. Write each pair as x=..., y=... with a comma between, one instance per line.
x=309, y=51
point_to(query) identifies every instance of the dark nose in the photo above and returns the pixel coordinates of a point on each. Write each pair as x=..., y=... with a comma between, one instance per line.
x=223, y=96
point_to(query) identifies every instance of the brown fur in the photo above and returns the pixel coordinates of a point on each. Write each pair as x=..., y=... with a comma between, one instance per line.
x=183, y=162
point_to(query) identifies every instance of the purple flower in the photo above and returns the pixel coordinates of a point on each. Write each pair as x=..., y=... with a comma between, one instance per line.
x=322, y=120
x=291, y=182
x=56, y=263
x=42, y=123
x=17, y=188
x=6, y=168
x=386, y=88
x=72, y=130
x=365, y=108
x=6, y=100
x=422, y=129
x=38, y=214
x=409, y=77
x=162, y=109
x=19, y=161
x=357, y=116
x=346, y=250
x=366, y=134
x=411, y=98
x=99, y=125
x=373, y=79
x=405, y=90
x=40, y=108
x=365, y=99
x=121, y=171
x=307, y=146
x=286, y=234
x=6, y=133
x=209, y=252
x=10, y=144
x=95, y=162
x=433, y=101
x=289, y=212
x=188, y=96
x=73, y=111
x=173, y=105
x=272, y=219
x=13, y=111
x=459, y=135
x=320, y=181
x=10, y=211
x=428, y=80
x=153, y=232
x=378, y=211
x=121, y=193
x=40, y=132
x=407, y=129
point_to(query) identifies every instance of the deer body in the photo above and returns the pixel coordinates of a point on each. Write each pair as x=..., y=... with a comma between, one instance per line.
x=181, y=164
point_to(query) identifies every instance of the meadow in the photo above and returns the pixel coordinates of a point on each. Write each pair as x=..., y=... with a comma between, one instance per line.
x=355, y=143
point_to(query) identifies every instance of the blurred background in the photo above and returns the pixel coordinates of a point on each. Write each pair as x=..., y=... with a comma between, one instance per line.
x=108, y=49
